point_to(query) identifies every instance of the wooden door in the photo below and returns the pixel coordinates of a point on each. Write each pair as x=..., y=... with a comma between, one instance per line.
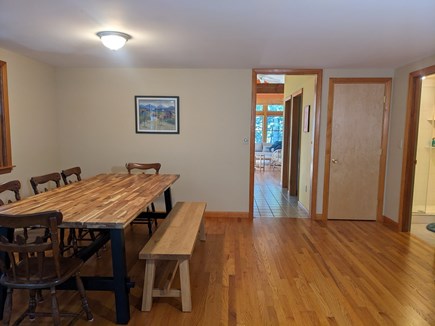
x=355, y=153
x=295, y=144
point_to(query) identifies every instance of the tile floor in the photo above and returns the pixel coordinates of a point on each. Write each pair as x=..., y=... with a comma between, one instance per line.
x=270, y=200
x=418, y=228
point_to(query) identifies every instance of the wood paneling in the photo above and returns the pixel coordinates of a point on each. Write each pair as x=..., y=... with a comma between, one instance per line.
x=281, y=272
x=270, y=88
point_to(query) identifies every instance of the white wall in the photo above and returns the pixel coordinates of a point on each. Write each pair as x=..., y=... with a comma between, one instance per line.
x=33, y=119
x=396, y=136
x=97, y=128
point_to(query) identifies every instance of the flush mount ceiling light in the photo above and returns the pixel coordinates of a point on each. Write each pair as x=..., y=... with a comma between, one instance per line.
x=113, y=40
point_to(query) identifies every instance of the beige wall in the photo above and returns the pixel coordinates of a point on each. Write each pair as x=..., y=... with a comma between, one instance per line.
x=307, y=84
x=396, y=136
x=33, y=119
x=97, y=128
x=90, y=112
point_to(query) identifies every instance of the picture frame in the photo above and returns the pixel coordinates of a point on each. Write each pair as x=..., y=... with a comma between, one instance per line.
x=307, y=118
x=157, y=114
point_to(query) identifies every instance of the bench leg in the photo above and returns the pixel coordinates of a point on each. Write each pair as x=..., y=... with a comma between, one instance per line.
x=186, y=301
x=148, y=284
x=202, y=230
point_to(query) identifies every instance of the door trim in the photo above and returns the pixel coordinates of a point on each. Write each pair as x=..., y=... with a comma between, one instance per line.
x=384, y=139
x=294, y=150
x=410, y=146
x=315, y=152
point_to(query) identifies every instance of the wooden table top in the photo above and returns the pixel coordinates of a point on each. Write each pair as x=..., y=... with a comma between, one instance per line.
x=105, y=201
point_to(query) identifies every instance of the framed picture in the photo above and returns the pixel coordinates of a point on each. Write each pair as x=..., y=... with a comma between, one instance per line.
x=157, y=114
x=307, y=118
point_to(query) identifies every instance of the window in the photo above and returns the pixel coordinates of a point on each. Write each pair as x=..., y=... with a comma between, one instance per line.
x=274, y=130
x=269, y=123
x=5, y=139
x=259, y=129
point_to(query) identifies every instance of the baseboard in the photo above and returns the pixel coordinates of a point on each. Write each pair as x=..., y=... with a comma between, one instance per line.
x=318, y=216
x=389, y=223
x=209, y=214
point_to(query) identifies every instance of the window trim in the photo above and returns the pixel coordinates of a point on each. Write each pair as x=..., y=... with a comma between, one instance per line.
x=5, y=136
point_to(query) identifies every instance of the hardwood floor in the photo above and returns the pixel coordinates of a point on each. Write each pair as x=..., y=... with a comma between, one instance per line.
x=283, y=271
x=270, y=200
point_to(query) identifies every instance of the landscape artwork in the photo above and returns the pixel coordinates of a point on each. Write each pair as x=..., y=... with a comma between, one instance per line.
x=157, y=114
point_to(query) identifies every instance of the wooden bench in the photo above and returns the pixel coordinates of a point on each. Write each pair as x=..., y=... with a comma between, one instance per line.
x=169, y=248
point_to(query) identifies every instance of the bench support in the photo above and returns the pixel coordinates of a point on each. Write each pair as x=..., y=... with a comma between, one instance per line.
x=149, y=292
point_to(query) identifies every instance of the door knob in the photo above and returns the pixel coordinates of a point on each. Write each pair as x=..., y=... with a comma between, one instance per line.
x=334, y=161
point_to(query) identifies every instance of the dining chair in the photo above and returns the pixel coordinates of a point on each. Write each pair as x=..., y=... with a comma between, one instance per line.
x=144, y=167
x=42, y=183
x=36, y=265
x=13, y=186
x=46, y=180
x=70, y=176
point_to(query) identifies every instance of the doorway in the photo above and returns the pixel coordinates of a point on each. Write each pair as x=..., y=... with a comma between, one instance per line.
x=312, y=149
x=422, y=201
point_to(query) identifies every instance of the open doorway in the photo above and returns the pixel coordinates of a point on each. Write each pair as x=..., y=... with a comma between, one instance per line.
x=272, y=174
x=423, y=202
x=416, y=195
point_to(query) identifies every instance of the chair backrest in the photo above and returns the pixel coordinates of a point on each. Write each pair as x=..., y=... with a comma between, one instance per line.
x=43, y=179
x=143, y=166
x=28, y=260
x=67, y=175
x=13, y=186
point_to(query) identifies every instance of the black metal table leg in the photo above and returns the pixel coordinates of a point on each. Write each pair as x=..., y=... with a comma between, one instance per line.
x=8, y=233
x=119, y=266
x=168, y=200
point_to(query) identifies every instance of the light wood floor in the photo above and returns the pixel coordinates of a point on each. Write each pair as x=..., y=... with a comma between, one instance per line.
x=284, y=271
x=270, y=200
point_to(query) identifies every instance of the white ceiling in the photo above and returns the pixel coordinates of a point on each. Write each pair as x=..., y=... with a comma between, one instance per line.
x=222, y=33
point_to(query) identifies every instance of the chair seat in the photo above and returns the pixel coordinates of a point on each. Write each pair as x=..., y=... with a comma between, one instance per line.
x=68, y=267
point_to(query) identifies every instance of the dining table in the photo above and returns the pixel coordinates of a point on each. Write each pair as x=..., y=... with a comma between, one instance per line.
x=109, y=203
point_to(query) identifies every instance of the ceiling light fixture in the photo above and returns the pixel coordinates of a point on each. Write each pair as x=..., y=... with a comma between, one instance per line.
x=113, y=40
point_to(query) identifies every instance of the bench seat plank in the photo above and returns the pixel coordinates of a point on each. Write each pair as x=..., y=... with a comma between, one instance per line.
x=175, y=237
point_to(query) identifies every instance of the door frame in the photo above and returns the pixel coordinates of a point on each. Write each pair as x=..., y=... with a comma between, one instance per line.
x=286, y=141
x=410, y=146
x=384, y=138
x=315, y=151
